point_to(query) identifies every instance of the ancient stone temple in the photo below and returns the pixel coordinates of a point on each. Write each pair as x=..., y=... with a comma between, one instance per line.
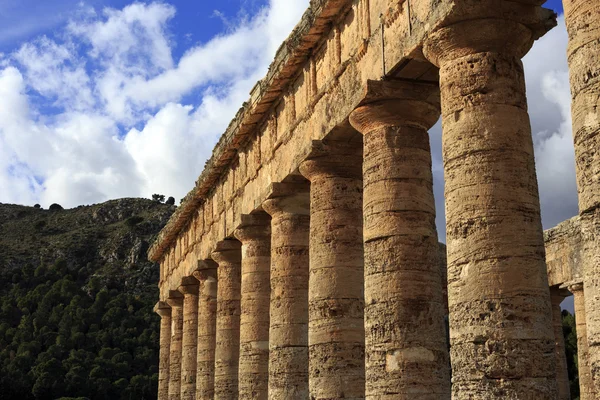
x=305, y=262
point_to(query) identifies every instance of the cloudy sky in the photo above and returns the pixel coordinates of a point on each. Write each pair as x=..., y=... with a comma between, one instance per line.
x=101, y=99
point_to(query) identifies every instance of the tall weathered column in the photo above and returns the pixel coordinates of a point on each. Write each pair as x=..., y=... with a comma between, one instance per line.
x=207, y=328
x=228, y=255
x=189, y=353
x=583, y=25
x=406, y=350
x=335, y=297
x=175, y=300
x=288, y=205
x=164, y=355
x=562, y=373
x=502, y=341
x=587, y=390
x=255, y=234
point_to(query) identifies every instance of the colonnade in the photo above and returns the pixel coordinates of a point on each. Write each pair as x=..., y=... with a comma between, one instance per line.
x=331, y=288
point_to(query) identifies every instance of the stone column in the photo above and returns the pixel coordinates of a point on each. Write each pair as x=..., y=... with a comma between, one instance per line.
x=335, y=298
x=163, y=309
x=587, y=390
x=583, y=25
x=562, y=372
x=255, y=234
x=406, y=349
x=228, y=255
x=288, y=205
x=175, y=300
x=189, y=289
x=207, y=327
x=502, y=342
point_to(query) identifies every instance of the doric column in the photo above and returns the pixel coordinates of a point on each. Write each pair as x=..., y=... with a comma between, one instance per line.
x=189, y=354
x=405, y=346
x=562, y=373
x=288, y=205
x=502, y=342
x=583, y=25
x=228, y=255
x=586, y=385
x=335, y=297
x=175, y=300
x=207, y=327
x=163, y=309
x=255, y=234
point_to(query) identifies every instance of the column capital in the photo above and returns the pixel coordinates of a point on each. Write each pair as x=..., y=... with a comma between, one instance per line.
x=189, y=286
x=396, y=103
x=205, y=274
x=175, y=299
x=291, y=198
x=478, y=36
x=207, y=269
x=162, y=309
x=207, y=264
x=253, y=227
x=333, y=158
x=575, y=287
x=227, y=251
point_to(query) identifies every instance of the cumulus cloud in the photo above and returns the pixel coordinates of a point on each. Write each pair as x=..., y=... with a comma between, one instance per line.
x=96, y=112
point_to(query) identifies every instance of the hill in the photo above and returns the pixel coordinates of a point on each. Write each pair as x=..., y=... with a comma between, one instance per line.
x=76, y=298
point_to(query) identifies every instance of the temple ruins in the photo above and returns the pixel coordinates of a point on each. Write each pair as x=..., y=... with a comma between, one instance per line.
x=305, y=262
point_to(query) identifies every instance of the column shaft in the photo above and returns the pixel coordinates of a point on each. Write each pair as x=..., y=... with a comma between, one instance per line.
x=164, y=311
x=583, y=25
x=189, y=355
x=255, y=235
x=562, y=373
x=176, y=303
x=227, y=351
x=406, y=349
x=336, y=300
x=587, y=390
x=207, y=327
x=288, y=333
x=502, y=341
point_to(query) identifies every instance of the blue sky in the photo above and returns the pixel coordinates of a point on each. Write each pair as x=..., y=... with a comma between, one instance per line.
x=101, y=99
x=109, y=98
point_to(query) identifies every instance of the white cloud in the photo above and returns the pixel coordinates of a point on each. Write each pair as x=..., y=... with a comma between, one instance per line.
x=98, y=113
x=549, y=100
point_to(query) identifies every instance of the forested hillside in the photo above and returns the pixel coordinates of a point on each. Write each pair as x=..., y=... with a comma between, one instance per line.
x=76, y=298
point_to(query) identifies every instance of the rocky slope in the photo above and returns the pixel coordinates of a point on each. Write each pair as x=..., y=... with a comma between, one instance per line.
x=113, y=236
x=76, y=298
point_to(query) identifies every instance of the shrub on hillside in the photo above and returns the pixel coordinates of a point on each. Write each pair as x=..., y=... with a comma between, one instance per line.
x=55, y=207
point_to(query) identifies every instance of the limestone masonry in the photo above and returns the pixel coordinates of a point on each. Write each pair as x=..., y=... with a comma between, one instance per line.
x=305, y=262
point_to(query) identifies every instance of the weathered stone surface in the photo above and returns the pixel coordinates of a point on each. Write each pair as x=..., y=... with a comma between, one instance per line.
x=562, y=374
x=583, y=25
x=502, y=342
x=255, y=235
x=164, y=357
x=176, y=302
x=564, y=252
x=288, y=206
x=406, y=349
x=228, y=255
x=343, y=55
x=335, y=291
x=189, y=351
x=207, y=329
x=586, y=384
